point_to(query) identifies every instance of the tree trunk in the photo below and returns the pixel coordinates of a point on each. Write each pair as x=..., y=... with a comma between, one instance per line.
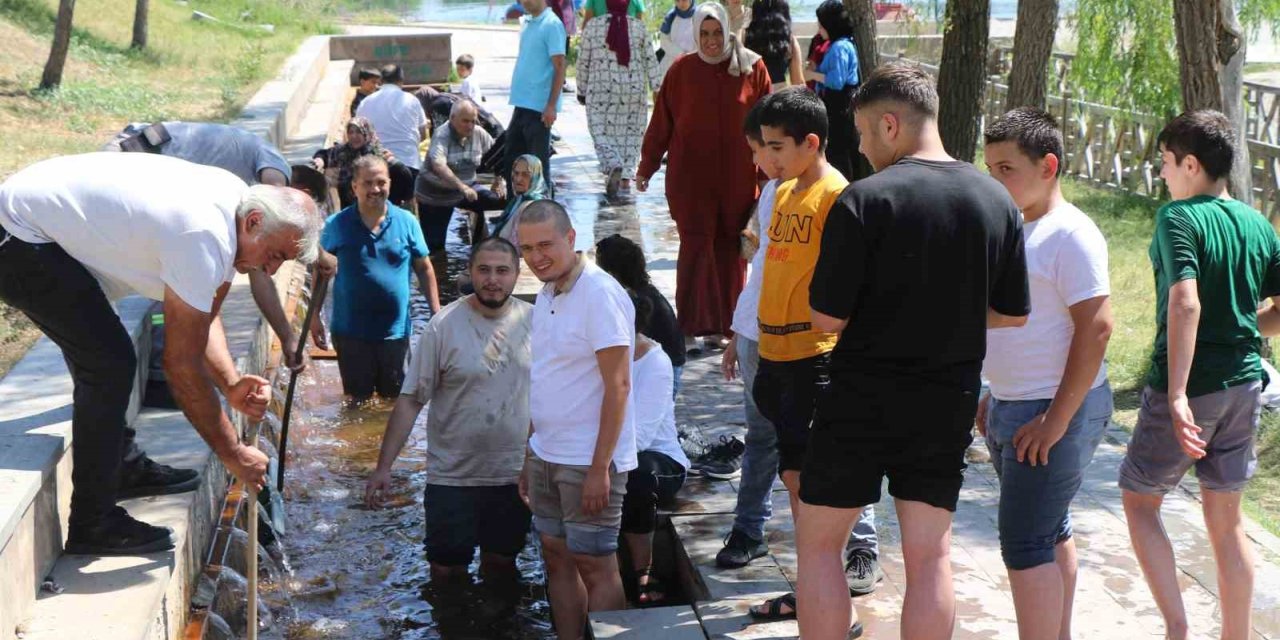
x=1037, y=27
x=1229, y=34
x=1195, y=23
x=862, y=13
x=140, y=25
x=61, y=41
x=962, y=75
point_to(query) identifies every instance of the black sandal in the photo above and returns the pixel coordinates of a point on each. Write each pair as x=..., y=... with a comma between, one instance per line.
x=651, y=592
x=773, y=608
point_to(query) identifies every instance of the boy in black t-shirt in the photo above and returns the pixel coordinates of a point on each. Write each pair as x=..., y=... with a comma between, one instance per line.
x=917, y=261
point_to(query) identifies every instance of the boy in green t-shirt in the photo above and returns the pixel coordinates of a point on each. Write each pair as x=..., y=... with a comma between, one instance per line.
x=1215, y=260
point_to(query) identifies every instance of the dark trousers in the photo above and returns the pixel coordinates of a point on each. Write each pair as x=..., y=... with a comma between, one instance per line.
x=654, y=482
x=60, y=296
x=527, y=134
x=435, y=219
x=367, y=366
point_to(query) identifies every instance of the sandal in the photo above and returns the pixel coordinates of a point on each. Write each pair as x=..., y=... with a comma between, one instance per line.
x=650, y=592
x=772, y=608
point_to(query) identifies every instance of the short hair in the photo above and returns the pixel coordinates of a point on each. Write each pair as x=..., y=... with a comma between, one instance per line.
x=540, y=211
x=284, y=208
x=391, y=73
x=900, y=82
x=368, y=162
x=799, y=112
x=1205, y=134
x=644, y=310
x=834, y=17
x=1035, y=131
x=624, y=260
x=465, y=60
x=459, y=105
x=495, y=243
x=369, y=74
x=751, y=123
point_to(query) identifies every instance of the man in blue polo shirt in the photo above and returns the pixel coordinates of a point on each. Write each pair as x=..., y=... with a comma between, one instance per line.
x=376, y=243
x=535, y=87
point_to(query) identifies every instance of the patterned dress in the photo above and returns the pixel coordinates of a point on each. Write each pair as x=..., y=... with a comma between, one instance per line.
x=617, y=96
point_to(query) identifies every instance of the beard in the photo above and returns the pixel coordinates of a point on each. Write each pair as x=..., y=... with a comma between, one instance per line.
x=493, y=304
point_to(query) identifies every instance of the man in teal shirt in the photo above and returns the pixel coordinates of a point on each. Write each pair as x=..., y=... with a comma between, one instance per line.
x=1216, y=260
x=376, y=243
x=535, y=87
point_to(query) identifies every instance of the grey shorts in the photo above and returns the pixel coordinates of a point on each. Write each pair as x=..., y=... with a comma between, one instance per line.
x=1155, y=463
x=555, y=497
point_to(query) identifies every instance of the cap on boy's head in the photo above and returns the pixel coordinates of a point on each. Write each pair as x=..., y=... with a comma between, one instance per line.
x=391, y=74
x=370, y=74
x=906, y=84
x=751, y=123
x=465, y=61
x=798, y=112
x=1034, y=130
x=1205, y=134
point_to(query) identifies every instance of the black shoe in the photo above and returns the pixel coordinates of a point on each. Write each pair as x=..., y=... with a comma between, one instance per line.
x=723, y=461
x=147, y=477
x=863, y=571
x=739, y=550
x=693, y=445
x=118, y=534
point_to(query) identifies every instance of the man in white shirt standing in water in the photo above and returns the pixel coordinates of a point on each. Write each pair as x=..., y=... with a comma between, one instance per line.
x=583, y=431
x=79, y=231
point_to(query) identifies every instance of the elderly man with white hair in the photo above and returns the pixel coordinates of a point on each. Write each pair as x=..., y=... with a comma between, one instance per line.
x=449, y=178
x=77, y=232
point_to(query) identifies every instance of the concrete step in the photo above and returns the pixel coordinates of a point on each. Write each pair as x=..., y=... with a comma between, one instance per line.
x=667, y=623
x=35, y=462
x=140, y=596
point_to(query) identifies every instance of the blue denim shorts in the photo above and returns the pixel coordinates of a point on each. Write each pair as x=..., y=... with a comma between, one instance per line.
x=1035, y=501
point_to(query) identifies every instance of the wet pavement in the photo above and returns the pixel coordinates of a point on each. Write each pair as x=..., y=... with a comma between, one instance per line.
x=361, y=574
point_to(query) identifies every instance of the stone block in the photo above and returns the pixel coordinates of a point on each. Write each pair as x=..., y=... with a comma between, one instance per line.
x=667, y=623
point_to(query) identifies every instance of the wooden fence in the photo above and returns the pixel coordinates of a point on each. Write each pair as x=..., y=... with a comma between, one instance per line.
x=1116, y=149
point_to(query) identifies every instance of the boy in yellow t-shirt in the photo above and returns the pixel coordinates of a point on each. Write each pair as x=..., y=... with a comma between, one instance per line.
x=793, y=355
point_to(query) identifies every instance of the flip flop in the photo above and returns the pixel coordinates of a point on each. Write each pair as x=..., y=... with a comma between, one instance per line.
x=773, y=608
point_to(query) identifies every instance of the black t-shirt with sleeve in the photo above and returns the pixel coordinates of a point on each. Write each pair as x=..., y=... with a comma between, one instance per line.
x=913, y=256
x=663, y=327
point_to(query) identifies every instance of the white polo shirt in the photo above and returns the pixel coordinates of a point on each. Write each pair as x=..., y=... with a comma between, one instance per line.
x=137, y=221
x=566, y=390
x=396, y=117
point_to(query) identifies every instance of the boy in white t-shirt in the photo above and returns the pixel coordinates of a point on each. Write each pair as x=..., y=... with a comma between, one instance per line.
x=470, y=86
x=1049, y=401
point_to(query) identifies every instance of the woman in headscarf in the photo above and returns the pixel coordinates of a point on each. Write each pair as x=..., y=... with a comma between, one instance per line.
x=527, y=185
x=362, y=140
x=837, y=78
x=711, y=179
x=616, y=69
x=676, y=36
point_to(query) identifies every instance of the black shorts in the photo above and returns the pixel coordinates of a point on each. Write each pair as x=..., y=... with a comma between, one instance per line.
x=869, y=428
x=461, y=518
x=787, y=394
x=366, y=366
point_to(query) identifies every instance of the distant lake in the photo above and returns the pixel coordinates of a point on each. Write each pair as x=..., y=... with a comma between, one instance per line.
x=492, y=11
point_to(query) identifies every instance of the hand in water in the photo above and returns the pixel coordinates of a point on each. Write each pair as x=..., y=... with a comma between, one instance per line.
x=248, y=465
x=376, y=488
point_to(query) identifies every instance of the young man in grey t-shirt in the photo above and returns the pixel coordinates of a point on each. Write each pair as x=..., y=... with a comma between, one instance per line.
x=472, y=366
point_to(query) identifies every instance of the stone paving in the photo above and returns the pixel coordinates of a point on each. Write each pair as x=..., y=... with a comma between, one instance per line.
x=1112, y=599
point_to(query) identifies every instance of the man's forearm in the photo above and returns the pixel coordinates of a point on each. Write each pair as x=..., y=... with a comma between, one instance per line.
x=612, y=410
x=557, y=84
x=222, y=368
x=1084, y=358
x=398, y=429
x=441, y=169
x=1184, y=323
x=428, y=286
x=189, y=383
x=1269, y=321
x=268, y=301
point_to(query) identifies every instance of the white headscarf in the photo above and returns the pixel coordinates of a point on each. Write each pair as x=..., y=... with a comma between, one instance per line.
x=741, y=59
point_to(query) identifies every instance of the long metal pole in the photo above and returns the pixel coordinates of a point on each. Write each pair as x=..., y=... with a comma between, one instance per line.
x=317, y=300
x=252, y=564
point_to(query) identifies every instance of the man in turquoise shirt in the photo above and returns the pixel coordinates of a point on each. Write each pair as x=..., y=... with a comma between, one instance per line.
x=376, y=244
x=535, y=87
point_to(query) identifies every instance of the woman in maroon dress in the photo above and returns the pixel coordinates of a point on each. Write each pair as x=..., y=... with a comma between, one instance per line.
x=711, y=179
